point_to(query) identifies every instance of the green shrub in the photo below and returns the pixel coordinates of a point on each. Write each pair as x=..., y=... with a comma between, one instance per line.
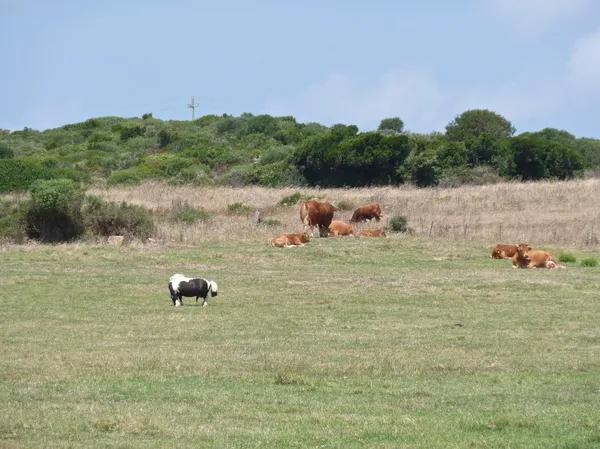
x=188, y=214
x=398, y=223
x=239, y=208
x=129, y=130
x=124, y=178
x=591, y=262
x=345, y=205
x=565, y=257
x=104, y=218
x=478, y=175
x=16, y=174
x=275, y=154
x=78, y=176
x=166, y=165
x=11, y=221
x=190, y=176
x=271, y=175
x=53, y=214
x=231, y=124
x=293, y=199
x=6, y=151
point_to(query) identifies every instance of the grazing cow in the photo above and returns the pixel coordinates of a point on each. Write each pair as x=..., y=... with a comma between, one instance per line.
x=525, y=258
x=180, y=286
x=370, y=212
x=290, y=240
x=507, y=251
x=317, y=214
x=339, y=228
x=372, y=233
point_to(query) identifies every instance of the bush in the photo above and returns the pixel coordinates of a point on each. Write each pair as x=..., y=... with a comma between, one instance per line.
x=185, y=213
x=109, y=218
x=16, y=174
x=5, y=151
x=190, y=176
x=345, y=205
x=591, y=262
x=275, y=154
x=53, y=214
x=11, y=221
x=293, y=199
x=124, y=178
x=270, y=175
x=239, y=208
x=398, y=223
x=567, y=258
x=167, y=165
x=479, y=175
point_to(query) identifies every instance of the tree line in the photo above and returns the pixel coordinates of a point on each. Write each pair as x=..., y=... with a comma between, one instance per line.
x=478, y=146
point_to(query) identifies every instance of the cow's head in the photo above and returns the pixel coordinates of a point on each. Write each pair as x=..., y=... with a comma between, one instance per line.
x=498, y=253
x=525, y=245
x=323, y=231
x=305, y=237
x=213, y=288
x=523, y=255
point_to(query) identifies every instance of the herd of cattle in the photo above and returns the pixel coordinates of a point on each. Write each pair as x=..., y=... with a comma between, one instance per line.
x=316, y=214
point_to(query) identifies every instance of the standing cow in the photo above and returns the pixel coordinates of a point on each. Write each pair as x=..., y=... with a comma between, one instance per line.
x=370, y=212
x=317, y=214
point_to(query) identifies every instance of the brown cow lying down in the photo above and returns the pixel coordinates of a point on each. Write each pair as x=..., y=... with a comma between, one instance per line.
x=507, y=251
x=525, y=258
x=339, y=228
x=290, y=240
x=317, y=214
x=373, y=233
x=370, y=212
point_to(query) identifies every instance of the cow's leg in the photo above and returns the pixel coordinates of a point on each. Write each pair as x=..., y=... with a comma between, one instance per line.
x=179, y=301
x=205, y=302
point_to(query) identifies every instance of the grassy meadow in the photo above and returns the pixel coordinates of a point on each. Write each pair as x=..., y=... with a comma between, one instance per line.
x=416, y=340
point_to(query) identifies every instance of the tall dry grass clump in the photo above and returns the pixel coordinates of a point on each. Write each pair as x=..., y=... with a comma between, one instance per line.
x=561, y=213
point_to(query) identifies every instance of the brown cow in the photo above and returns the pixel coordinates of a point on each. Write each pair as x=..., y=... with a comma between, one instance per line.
x=370, y=212
x=525, y=258
x=507, y=251
x=372, y=233
x=339, y=228
x=317, y=214
x=290, y=240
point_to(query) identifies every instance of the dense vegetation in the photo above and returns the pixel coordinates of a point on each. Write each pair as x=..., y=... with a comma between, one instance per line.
x=479, y=146
x=58, y=210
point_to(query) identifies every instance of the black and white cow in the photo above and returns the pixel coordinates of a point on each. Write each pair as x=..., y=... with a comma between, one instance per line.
x=180, y=286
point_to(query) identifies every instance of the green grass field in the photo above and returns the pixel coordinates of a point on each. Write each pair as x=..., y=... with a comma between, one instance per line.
x=346, y=343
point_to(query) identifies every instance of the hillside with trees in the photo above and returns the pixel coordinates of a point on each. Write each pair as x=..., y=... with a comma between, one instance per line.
x=478, y=147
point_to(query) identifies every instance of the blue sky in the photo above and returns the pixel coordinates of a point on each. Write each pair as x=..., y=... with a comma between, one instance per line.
x=537, y=62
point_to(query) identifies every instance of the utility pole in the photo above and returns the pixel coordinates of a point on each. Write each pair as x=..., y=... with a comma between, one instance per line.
x=193, y=106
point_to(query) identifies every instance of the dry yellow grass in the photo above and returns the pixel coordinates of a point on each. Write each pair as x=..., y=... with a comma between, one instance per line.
x=561, y=213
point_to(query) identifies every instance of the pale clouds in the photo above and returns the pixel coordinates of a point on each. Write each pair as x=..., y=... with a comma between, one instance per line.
x=534, y=17
x=412, y=94
x=584, y=64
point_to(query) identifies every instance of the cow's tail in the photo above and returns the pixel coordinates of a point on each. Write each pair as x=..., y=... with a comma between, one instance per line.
x=304, y=214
